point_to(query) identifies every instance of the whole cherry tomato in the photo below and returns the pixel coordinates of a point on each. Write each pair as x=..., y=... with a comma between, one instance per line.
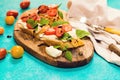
x=1, y=30
x=12, y=13
x=3, y=53
x=9, y=20
x=25, y=4
x=17, y=51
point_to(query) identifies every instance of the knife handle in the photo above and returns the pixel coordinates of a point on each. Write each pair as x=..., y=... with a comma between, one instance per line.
x=112, y=30
x=114, y=48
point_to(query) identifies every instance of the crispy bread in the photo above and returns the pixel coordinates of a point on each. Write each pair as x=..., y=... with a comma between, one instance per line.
x=50, y=42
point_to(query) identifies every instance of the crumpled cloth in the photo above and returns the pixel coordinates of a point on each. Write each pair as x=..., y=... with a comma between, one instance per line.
x=97, y=13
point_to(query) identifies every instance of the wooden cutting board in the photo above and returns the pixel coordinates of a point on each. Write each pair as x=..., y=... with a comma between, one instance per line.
x=81, y=55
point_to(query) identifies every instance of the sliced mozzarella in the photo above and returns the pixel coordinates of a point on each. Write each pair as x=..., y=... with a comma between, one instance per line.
x=38, y=29
x=64, y=40
x=22, y=23
x=50, y=36
x=41, y=35
x=73, y=33
x=53, y=51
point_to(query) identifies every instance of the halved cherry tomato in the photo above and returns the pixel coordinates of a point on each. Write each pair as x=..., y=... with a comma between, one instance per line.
x=59, y=31
x=67, y=27
x=33, y=16
x=29, y=26
x=50, y=31
x=24, y=18
x=38, y=18
x=42, y=9
x=52, y=12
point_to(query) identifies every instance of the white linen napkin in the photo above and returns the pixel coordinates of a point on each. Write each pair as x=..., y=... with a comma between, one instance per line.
x=97, y=13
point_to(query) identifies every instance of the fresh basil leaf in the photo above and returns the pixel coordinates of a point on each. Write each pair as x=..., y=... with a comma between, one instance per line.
x=68, y=55
x=36, y=28
x=66, y=36
x=82, y=33
x=60, y=14
x=44, y=21
x=59, y=5
x=59, y=22
x=35, y=24
x=56, y=47
x=65, y=48
x=32, y=23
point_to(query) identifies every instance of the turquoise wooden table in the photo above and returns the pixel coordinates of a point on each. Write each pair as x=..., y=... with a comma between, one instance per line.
x=30, y=68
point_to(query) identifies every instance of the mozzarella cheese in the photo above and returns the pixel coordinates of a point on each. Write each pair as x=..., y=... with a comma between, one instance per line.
x=23, y=23
x=73, y=33
x=53, y=51
x=50, y=36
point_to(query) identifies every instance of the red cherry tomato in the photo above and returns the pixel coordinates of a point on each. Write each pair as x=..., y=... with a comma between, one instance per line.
x=59, y=31
x=1, y=30
x=33, y=16
x=67, y=27
x=52, y=12
x=50, y=31
x=24, y=18
x=25, y=4
x=42, y=9
x=29, y=26
x=38, y=18
x=3, y=53
x=12, y=13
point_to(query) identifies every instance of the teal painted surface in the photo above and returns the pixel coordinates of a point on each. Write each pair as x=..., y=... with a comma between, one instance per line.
x=30, y=68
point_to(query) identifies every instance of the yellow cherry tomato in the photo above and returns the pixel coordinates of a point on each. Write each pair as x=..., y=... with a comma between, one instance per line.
x=9, y=20
x=17, y=51
x=1, y=30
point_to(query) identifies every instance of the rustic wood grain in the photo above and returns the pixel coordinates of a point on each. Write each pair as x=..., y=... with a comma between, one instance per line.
x=33, y=47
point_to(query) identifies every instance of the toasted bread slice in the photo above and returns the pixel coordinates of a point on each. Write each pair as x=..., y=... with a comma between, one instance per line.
x=51, y=42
